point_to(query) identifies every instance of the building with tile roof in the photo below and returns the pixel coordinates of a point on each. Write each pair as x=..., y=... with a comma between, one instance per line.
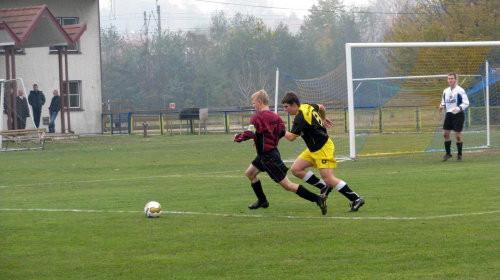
x=56, y=45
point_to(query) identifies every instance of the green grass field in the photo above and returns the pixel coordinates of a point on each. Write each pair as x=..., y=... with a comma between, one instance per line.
x=76, y=212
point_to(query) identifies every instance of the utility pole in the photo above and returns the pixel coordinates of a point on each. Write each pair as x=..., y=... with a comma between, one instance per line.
x=159, y=17
x=145, y=25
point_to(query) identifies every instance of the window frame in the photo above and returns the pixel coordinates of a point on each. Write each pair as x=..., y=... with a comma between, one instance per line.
x=73, y=95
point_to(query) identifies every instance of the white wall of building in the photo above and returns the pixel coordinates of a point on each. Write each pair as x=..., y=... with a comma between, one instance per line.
x=40, y=67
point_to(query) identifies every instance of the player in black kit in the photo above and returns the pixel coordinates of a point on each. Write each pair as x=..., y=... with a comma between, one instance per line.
x=311, y=122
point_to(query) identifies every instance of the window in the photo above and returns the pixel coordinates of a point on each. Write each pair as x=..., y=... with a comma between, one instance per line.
x=74, y=94
x=68, y=21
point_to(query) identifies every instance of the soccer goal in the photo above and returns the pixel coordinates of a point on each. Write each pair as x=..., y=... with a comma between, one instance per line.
x=14, y=133
x=394, y=89
x=384, y=98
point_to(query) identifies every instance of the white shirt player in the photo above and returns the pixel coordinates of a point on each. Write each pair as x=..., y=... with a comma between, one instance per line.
x=454, y=98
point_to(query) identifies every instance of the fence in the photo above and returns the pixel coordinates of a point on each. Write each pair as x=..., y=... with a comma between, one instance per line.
x=170, y=123
x=381, y=120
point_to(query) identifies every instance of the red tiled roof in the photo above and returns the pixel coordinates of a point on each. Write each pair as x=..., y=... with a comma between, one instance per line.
x=75, y=31
x=20, y=19
x=20, y=22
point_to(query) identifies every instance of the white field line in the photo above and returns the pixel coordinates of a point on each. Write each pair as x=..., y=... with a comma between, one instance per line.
x=260, y=216
x=204, y=175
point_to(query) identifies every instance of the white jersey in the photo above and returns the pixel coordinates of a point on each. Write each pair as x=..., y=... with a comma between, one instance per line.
x=452, y=98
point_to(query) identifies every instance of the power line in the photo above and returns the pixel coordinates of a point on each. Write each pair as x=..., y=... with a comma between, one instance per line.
x=311, y=10
x=247, y=5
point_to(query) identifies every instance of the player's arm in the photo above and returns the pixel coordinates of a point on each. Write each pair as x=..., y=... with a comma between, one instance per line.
x=290, y=136
x=464, y=104
x=442, y=105
x=322, y=113
x=465, y=101
x=247, y=134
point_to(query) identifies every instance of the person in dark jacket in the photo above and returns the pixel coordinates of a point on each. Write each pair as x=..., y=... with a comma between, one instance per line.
x=36, y=100
x=54, y=108
x=22, y=110
x=8, y=106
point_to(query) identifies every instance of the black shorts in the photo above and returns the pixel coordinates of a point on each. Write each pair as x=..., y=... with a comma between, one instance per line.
x=454, y=122
x=271, y=163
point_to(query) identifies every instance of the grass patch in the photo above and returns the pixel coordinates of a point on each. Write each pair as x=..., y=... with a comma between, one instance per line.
x=423, y=219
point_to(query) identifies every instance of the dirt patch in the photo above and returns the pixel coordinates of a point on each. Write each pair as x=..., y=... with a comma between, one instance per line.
x=121, y=142
x=483, y=152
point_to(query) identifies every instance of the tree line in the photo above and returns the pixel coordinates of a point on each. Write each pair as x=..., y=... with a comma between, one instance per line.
x=239, y=55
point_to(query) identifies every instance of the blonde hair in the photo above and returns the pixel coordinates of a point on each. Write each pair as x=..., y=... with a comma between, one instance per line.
x=261, y=95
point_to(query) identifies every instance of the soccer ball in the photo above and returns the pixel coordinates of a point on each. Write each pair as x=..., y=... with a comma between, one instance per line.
x=152, y=209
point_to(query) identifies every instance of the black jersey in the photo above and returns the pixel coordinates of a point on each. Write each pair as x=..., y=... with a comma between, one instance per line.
x=309, y=125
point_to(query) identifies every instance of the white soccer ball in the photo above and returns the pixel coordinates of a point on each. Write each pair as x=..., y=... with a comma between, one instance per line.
x=153, y=209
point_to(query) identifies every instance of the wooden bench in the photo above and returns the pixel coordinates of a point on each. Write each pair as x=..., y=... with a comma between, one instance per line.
x=25, y=139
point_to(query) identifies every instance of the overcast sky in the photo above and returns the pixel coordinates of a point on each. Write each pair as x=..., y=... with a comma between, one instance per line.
x=128, y=15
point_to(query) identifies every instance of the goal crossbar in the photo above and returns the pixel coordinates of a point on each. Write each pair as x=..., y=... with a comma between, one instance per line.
x=408, y=77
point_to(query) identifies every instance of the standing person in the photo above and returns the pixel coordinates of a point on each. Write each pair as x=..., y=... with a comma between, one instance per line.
x=455, y=101
x=36, y=100
x=266, y=129
x=54, y=108
x=8, y=106
x=22, y=110
x=311, y=123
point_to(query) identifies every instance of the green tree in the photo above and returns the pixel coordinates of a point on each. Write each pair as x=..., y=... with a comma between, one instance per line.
x=326, y=31
x=112, y=53
x=246, y=51
x=169, y=76
x=448, y=21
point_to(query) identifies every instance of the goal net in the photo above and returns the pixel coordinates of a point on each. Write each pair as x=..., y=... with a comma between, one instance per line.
x=17, y=129
x=384, y=99
x=331, y=91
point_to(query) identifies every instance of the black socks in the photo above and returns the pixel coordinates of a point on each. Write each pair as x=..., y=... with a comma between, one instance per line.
x=459, y=148
x=259, y=192
x=306, y=194
x=447, y=146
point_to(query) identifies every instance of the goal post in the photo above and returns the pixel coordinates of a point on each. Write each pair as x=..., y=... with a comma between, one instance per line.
x=15, y=135
x=406, y=60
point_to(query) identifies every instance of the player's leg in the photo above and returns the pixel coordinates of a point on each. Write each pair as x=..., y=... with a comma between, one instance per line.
x=457, y=127
x=325, y=162
x=458, y=135
x=446, y=135
x=355, y=200
x=274, y=166
x=313, y=180
x=289, y=185
x=447, y=144
x=299, y=167
x=305, y=193
x=252, y=172
x=447, y=127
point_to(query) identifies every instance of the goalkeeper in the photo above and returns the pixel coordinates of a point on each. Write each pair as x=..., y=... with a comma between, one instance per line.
x=311, y=123
x=266, y=129
x=455, y=101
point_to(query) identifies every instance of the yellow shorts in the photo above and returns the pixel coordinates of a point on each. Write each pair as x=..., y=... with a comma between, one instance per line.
x=322, y=158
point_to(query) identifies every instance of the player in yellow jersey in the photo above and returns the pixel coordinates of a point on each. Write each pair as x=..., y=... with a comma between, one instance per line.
x=310, y=123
